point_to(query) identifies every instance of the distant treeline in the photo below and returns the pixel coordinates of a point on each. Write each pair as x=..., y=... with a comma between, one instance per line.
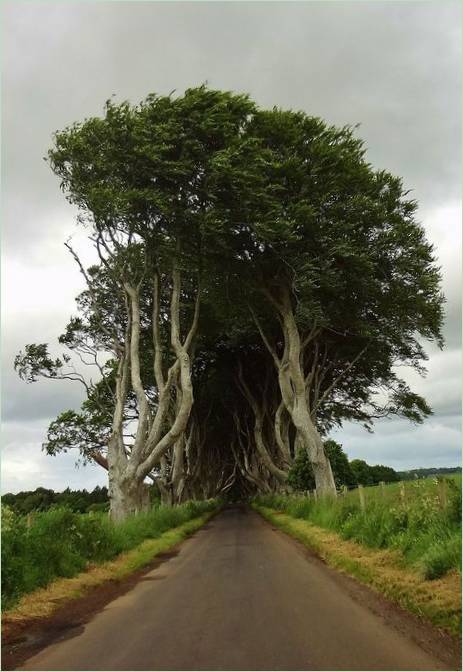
x=79, y=501
x=424, y=473
x=345, y=472
x=42, y=499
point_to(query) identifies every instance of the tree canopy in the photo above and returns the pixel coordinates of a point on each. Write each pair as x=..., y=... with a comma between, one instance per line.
x=259, y=283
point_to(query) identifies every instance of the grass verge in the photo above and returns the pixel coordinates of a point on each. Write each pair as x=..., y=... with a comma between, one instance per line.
x=438, y=600
x=44, y=601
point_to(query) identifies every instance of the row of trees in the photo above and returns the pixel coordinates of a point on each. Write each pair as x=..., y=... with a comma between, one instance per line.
x=257, y=284
x=427, y=472
x=300, y=478
x=346, y=473
x=42, y=499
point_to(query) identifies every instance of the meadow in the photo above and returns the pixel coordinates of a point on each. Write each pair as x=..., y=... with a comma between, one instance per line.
x=420, y=519
x=43, y=546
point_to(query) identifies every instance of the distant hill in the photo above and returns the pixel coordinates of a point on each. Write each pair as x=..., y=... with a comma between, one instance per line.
x=425, y=473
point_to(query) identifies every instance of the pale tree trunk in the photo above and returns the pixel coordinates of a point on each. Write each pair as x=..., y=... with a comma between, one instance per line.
x=156, y=446
x=293, y=391
x=127, y=498
x=126, y=495
x=178, y=474
x=129, y=465
x=164, y=484
x=152, y=441
x=282, y=435
x=181, y=447
x=265, y=457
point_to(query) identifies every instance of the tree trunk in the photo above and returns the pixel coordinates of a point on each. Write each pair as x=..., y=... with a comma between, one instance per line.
x=127, y=497
x=292, y=384
x=313, y=444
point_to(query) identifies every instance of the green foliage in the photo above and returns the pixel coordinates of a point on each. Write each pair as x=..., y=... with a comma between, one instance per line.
x=300, y=476
x=340, y=466
x=345, y=473
x=8, y=517
x=35, y=362
x=269, y=210
x=42, y=499
x=441, y=556
x=365, y=474
x=61, y=543
x=427, y=536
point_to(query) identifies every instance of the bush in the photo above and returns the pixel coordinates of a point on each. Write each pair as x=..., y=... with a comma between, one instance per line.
x=61, y=543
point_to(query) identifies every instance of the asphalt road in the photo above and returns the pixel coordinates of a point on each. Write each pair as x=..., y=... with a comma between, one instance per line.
x=238, y=596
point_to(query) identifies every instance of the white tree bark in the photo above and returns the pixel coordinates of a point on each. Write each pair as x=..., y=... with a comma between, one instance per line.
x=293, y=391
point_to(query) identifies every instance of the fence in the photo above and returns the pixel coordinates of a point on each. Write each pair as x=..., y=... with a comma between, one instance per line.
x=398, y=491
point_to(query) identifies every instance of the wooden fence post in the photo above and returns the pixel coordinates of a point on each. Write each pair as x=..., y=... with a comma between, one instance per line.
x=361, y=497
x=315, y=494
x=402, y=491
x=383, y=489
x=442, y=485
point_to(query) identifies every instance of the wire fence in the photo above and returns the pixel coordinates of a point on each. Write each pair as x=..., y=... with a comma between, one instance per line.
x=403, y=492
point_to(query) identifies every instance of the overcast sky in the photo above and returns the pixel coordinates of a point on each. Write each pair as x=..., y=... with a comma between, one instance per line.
x=393, y=67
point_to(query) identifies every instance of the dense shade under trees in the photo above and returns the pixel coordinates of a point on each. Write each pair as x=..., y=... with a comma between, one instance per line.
x=258, y=284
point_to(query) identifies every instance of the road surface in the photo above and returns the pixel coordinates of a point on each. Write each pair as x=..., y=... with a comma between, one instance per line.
x=238, y=596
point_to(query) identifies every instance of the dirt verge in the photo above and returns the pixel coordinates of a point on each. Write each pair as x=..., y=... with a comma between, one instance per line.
x=430, y=638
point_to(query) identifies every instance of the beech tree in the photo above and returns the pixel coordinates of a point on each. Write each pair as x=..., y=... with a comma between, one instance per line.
x=140, y=178
x=350, y=282
x=258, y=284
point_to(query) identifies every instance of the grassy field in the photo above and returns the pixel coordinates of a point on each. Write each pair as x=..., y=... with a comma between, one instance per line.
x=420, y=519
x=61, y=543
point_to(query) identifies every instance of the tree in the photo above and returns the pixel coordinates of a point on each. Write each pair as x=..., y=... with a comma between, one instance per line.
x=301, y=475
x=362, y=472
x=336, y=270
x=141, y=177
x=250, y=259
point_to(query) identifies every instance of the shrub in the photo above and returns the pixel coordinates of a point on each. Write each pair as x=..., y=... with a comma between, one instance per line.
x=61, y=543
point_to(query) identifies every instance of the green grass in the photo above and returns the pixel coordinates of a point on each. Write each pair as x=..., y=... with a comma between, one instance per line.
x=438, y=601
x=61, y=543
x=420, y=519
x=42, y=602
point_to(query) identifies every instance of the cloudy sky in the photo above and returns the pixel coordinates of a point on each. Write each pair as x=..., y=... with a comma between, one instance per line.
x=393, y=67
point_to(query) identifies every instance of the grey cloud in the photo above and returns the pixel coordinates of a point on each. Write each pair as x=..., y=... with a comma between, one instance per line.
x=393, y=67
x=25, y=466
x=43, y=399
x=400, y=446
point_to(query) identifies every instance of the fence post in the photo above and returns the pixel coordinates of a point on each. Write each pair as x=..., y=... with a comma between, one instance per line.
x=362, y=497
x=315, y=494
x=442, y=485
x=383, y=490
x=402, y=491
x=344, y=490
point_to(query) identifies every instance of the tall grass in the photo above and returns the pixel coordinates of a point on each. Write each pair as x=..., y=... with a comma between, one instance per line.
x=61, y=543
x=412, y=518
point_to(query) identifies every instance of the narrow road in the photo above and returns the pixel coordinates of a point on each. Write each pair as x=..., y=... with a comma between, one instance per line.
x=238, y=596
